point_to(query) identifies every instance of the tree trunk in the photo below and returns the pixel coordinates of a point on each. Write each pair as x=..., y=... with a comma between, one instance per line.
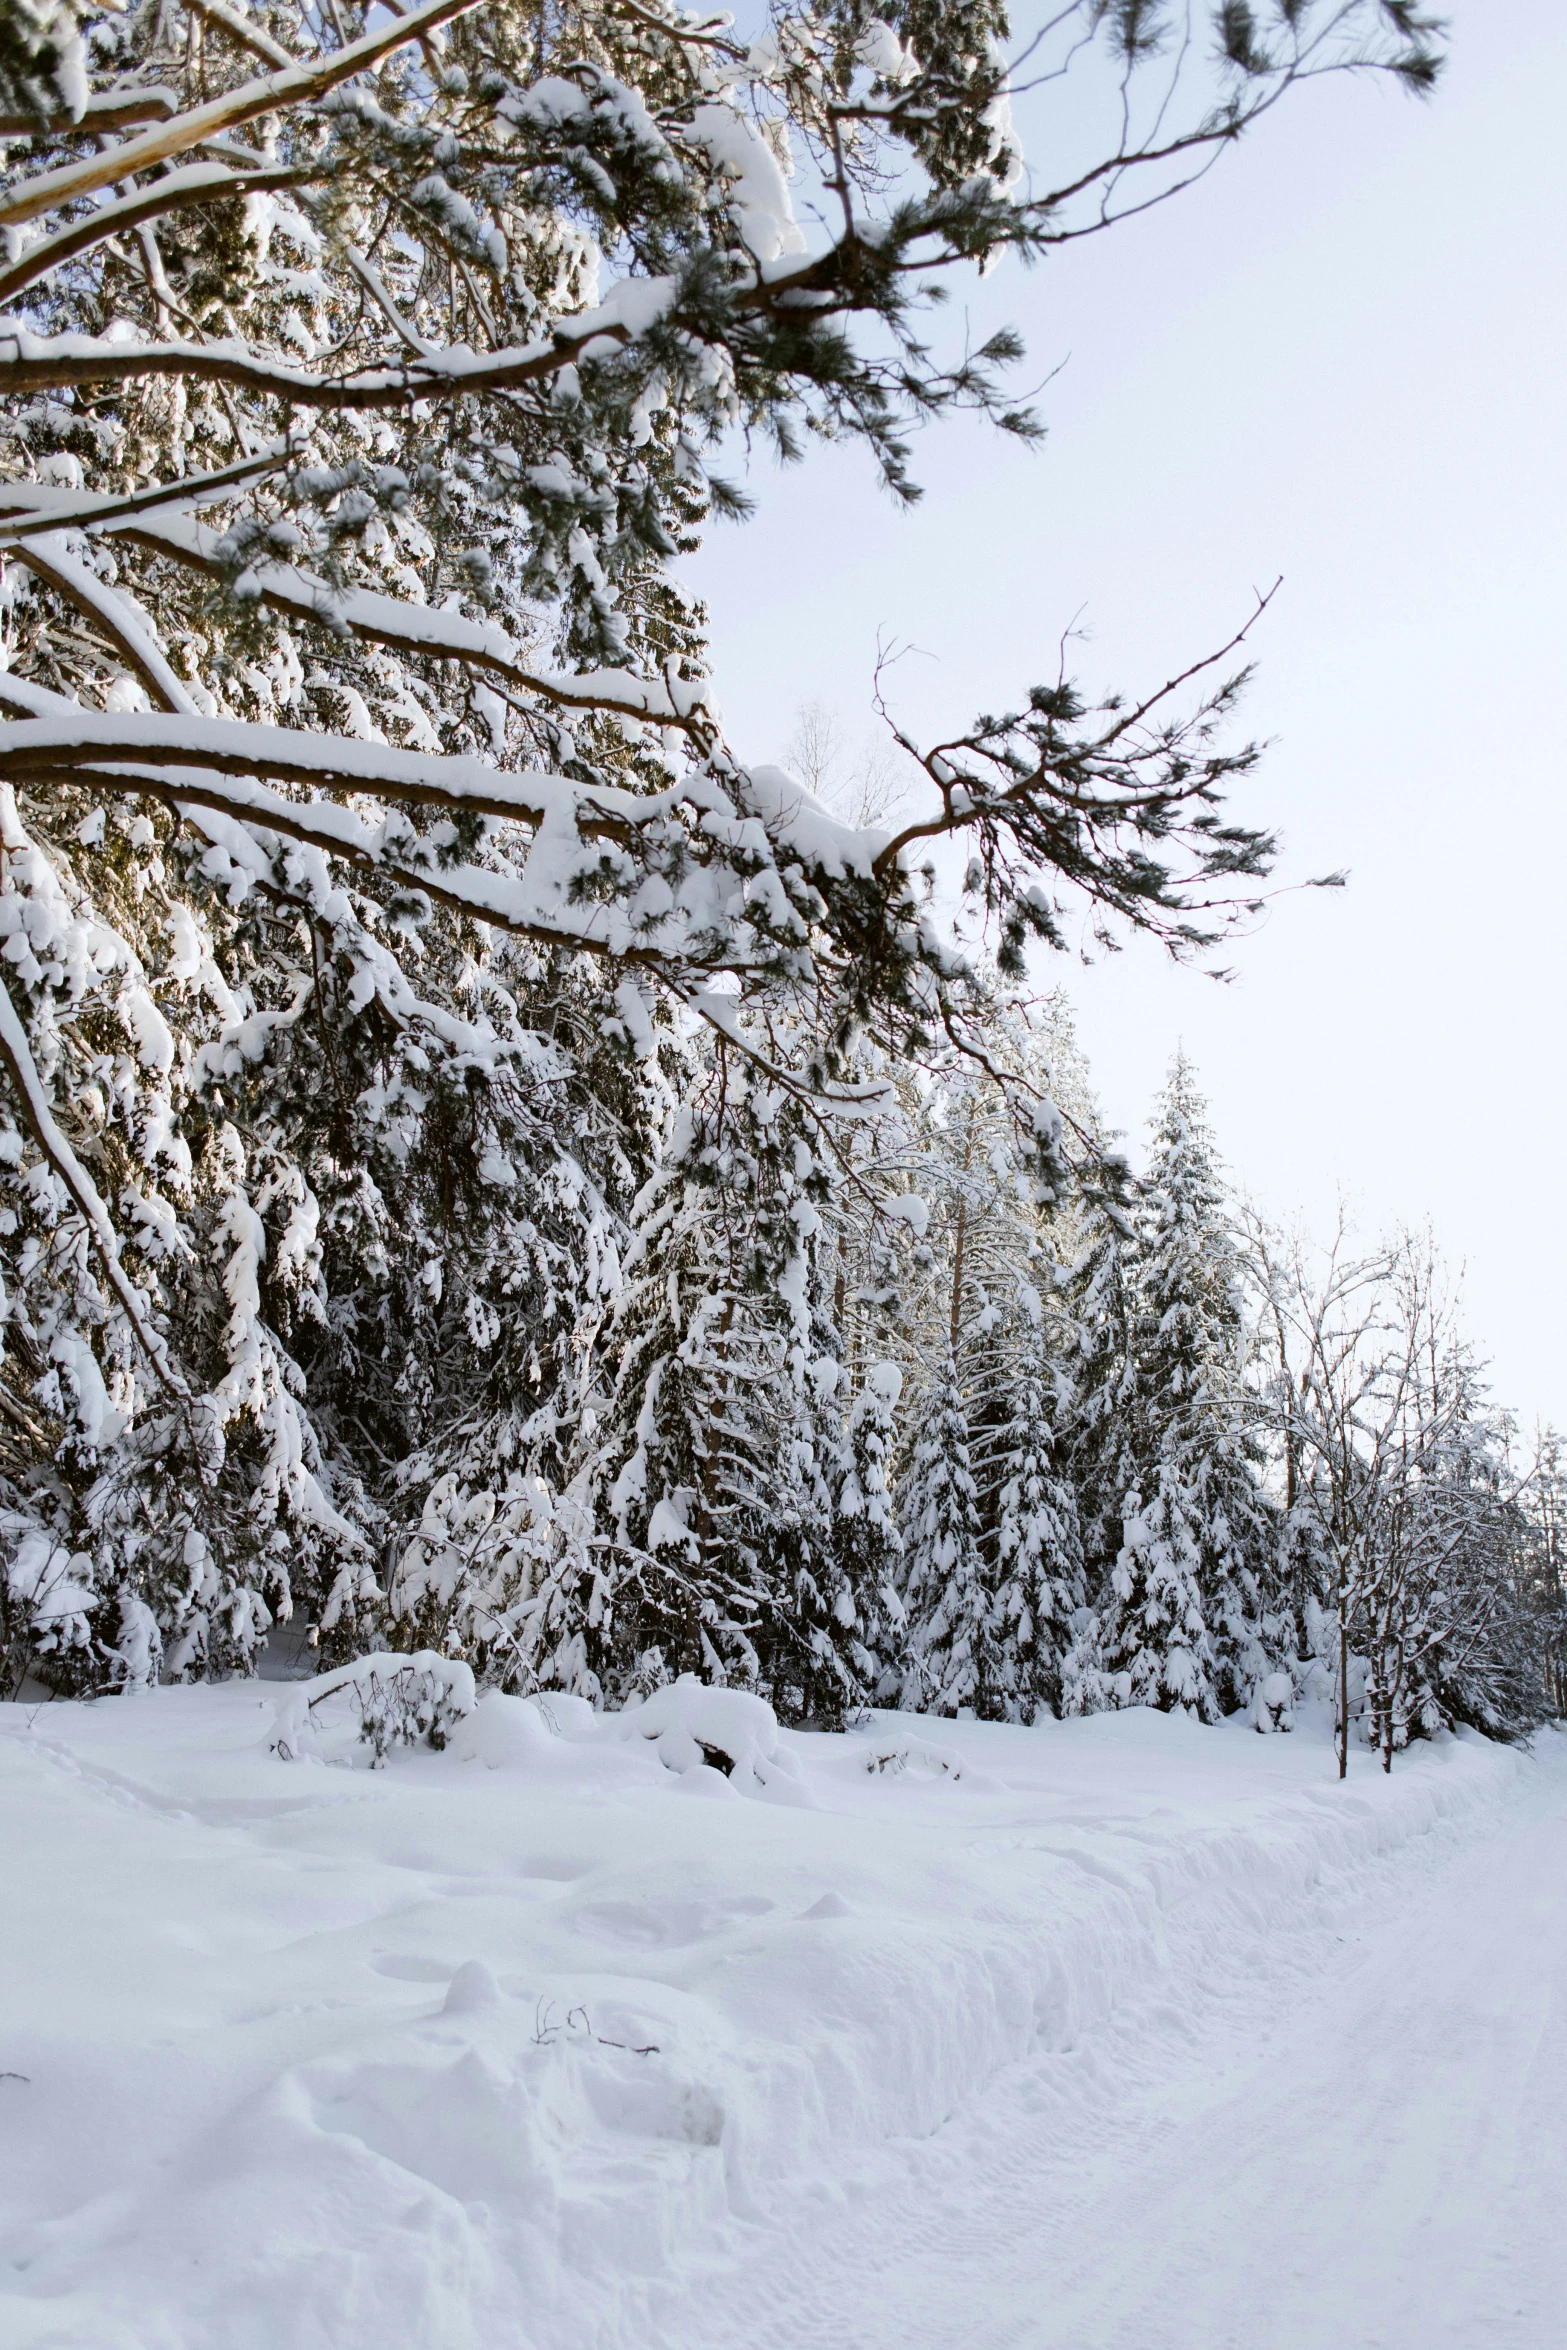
x=1343, y=1673
x=955, y=1314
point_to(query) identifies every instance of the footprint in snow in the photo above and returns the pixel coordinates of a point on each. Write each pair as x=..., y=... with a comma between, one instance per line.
x=554, y=1870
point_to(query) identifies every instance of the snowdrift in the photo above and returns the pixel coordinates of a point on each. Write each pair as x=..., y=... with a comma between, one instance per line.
x=318, y=2038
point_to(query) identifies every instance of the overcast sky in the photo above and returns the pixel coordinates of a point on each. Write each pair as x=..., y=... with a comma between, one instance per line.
x=1340, y=359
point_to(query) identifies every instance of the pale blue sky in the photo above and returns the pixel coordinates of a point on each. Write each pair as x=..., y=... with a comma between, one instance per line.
x=1340, y=359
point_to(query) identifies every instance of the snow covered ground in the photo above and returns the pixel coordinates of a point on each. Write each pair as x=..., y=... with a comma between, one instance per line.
x=1120, y=2032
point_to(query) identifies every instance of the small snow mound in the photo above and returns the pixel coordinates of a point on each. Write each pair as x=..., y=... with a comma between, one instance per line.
x=503, y=1731
x=889, y=1758
x=831, y=1905
x=564, y=1716
x=702, y=1780
x=472, y=1990
x=722, y=1733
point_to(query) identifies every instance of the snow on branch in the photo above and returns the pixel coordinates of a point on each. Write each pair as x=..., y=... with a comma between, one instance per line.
x=407, y=627
x=290, y=86
x=32, y=1098
x=104, y=110
x=197, y=183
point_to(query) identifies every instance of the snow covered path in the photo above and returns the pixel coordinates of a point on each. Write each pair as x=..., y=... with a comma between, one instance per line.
x=1363, y=2146
x=1109, y=2035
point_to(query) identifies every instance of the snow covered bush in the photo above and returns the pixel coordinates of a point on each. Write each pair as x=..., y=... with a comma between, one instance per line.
x=1273, y=1704
x=691, y=1726
x=382, y=1702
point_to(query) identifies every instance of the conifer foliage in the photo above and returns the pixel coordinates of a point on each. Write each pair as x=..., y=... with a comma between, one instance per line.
x=1180, y=1626
x=952, y=1660
x=1036, y=1542
x=1101, y=1359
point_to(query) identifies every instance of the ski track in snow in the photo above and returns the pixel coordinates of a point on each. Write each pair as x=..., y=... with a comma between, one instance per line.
x=1117, y=2035
x=1354, y=2138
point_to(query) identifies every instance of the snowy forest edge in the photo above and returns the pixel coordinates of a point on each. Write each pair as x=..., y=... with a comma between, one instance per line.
x=487, y=1172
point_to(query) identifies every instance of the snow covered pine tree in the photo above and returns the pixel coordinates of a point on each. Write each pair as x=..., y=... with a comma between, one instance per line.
x=1101, y=1368
x=986, y=1633
x=360, y=374
x=944, y=1576
x=1179, y=1622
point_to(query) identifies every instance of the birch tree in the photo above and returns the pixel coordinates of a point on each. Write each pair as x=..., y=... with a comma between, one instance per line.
x=1406, y=1471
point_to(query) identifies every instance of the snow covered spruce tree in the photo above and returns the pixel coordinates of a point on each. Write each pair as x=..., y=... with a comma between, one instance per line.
x=992, y=1559
x=869, y=1546
x=986, y=1633
x=950, y=1658
x=721, y=1508
x=1030, y=1529
x=1180, y=1621
x=361, y=372
x=1100, y=1368
x=680, y=1448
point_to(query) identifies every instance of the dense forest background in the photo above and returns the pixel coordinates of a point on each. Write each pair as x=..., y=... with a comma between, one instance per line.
x=485, y=1168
